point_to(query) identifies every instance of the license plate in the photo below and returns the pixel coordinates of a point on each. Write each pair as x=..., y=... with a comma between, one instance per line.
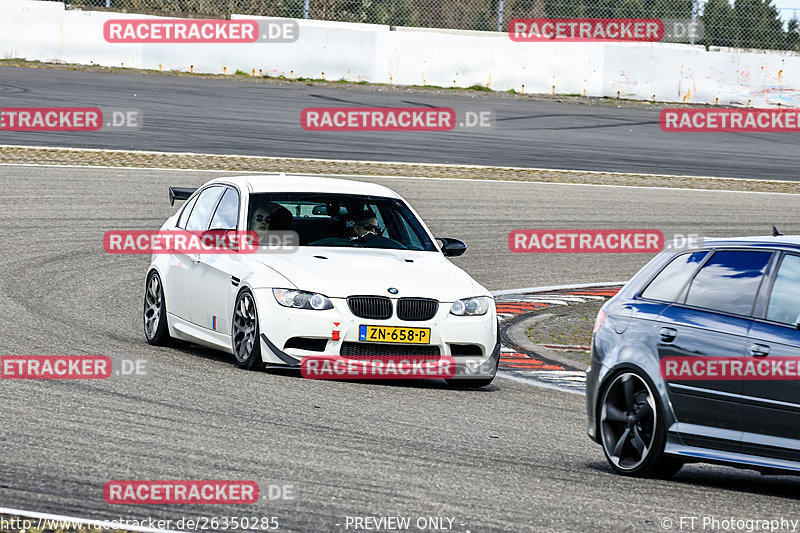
x=394, y=334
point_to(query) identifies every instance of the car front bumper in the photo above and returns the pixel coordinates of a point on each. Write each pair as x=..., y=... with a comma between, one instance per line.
x=472, y=341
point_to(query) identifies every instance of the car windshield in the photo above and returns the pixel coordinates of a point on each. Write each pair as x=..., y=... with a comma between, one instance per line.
x=342, y=220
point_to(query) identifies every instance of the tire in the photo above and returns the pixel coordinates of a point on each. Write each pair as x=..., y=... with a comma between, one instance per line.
x=245, y=337
x=154, y=314
x=632, y=430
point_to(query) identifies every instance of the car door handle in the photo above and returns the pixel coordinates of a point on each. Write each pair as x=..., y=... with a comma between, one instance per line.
x=759, y=350
x=668, y=334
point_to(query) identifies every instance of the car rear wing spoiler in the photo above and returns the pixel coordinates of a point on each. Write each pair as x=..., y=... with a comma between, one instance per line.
x=179, y=193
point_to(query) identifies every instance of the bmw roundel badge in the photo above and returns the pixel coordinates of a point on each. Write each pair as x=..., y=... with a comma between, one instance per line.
x=392, y=290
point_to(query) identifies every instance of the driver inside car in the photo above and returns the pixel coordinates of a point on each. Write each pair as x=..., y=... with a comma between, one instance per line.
x=367, y=227
x=269, y=217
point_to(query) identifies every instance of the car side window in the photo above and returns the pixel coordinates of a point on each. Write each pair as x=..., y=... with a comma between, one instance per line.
x=729, y=281
x=784, y=304
x=227, y=213
x=205, y=205
x=187, y=210
x=669, y=283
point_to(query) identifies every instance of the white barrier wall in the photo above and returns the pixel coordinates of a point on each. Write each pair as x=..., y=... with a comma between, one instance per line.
x=45, y=31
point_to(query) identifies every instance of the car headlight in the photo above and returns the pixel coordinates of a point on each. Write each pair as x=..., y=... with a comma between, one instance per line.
x=470, y=306
x=302, y=299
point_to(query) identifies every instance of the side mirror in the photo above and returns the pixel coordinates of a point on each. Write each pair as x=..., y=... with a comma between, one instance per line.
x=451, y=247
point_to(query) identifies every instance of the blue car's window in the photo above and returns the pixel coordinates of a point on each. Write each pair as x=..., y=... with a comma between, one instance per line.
x=206, y=202
x=729, y=281
x=668, y=284
x=227, y=213
x=341, y=220
x=784, y=300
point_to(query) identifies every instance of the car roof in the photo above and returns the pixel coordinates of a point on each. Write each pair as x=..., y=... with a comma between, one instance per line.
x=299, y=183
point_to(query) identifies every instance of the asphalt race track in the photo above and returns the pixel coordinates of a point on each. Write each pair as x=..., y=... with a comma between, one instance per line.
x=189, y=114
x=512, y=457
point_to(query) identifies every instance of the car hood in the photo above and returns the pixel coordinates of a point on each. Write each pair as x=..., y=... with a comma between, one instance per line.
x=339, y=273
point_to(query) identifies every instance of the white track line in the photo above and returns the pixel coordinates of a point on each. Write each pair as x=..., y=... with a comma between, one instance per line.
x=360, y=161
x=566, y=183
x=97, y=523
x=534, y=290
x=379, y=176
x=107, y=167
x=401, y=163
x=537, y=383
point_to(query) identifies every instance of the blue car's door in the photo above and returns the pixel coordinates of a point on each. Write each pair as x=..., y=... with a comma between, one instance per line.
x=712, y=321
x=771, y=407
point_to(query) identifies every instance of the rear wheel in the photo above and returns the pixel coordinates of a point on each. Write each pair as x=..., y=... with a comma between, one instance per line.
x=154, y=314
x=632, y=429
x=245, y=339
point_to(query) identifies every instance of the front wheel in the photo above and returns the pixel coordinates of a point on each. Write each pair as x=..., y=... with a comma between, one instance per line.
x=245, y=338
x=632, y=430
x=154, y=314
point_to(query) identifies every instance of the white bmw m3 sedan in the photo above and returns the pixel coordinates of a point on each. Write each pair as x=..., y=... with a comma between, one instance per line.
x=366, y=278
